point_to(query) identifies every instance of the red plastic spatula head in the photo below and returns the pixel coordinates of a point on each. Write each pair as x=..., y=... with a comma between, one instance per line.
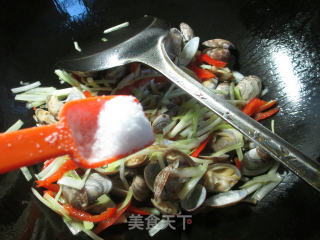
x=93, y=131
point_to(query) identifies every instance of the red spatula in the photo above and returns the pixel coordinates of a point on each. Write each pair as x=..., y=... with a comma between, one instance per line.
x=73, y=135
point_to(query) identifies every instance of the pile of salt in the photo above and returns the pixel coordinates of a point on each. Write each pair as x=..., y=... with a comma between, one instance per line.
x=122, y=129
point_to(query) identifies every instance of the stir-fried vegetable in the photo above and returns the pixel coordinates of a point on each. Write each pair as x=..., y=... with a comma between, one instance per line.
x=197, y=158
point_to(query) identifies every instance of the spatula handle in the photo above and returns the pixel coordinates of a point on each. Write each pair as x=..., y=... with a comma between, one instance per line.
x=30, y=146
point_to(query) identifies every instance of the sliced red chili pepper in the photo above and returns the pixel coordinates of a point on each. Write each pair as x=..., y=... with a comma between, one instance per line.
x=67, y=166
x=84, y=216
x=199, y=149
x=110, y=221
x=264, y=115
x=266, y=106
x=206, y=58
x=238, y=163
x=201, y=73
x=253, y=106
x=136, y=210
x=87, y=94
x=50, y=186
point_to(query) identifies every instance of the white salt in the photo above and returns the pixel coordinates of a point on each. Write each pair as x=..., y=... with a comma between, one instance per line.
x=122, y=129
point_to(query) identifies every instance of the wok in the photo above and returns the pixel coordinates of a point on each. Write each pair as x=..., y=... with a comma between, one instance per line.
x=276, y=40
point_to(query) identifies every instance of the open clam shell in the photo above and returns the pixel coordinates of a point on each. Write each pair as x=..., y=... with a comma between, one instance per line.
x=226, y=199
x=188, y=52
x=172, y=155
x=187, y=31
x=221, y=177
x=195, y=200
x=140, y=189
x=166, y=207
x=255, y=162
x=250, y=87
x=150, y=173
x=162, y=178
x=136, y=161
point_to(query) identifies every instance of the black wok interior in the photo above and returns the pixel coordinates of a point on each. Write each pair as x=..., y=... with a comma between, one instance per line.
x=277, y=40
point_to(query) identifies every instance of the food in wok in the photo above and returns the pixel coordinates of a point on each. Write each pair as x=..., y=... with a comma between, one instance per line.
x=193, y=160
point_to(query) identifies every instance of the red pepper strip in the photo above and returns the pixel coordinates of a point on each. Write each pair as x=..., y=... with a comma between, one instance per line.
x=134, y=66
x=84, y=216
x=201, y=73
x=264, y=115
x=87, y=94
x=266, y=106
x=206, y=58
x=110, y=221
x=51, y=186
x=199, y=149
x=49, y=192
x=238, y=163
x=67, y=166
x=136, y=210
x=253, y=106
x=127, y=90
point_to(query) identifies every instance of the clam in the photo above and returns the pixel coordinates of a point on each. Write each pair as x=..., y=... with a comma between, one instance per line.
x=224, y=87
x=166, y=207
x=220, y=49
x=174, y=43
x=186, y=31
x=140, y=189
x=160, y=122
x=172, y=155
x=226, y=199
x=250, y=87
x=173, y=186
x=223, y=74
x=255, y=162
x=54, y=105
x=74, y=197
x=44, y=117
x=225, y=138
x=220, y=54
x=150, y=173
x=221, y=177
x=188, y=52
x=219, y=43
x=162, y=178
x=118, y=188
x=137, y=161
x=95, y=186
x=195, y=200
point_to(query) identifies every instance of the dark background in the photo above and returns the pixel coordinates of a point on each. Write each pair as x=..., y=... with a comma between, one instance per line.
x=277, y=40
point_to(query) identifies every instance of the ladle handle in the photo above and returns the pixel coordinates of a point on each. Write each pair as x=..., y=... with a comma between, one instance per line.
x=30, y=146
x=278, y=148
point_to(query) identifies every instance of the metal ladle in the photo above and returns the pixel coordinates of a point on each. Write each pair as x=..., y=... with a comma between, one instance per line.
x=144, y=41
